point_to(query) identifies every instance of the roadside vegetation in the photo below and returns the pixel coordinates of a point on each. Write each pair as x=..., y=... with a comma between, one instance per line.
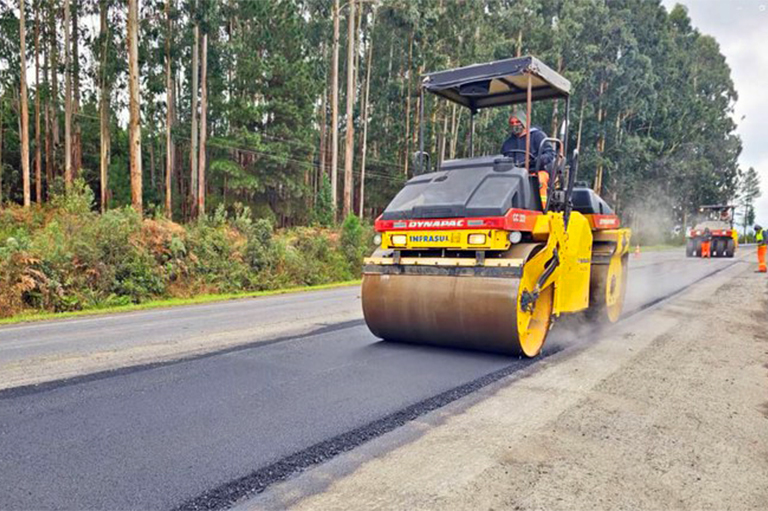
x=65, y=257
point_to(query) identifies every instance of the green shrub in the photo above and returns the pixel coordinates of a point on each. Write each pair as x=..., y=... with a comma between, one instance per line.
x=352, y=244
x=324, y=211
x=77, y=200
x=312, y=259
x=65, y=257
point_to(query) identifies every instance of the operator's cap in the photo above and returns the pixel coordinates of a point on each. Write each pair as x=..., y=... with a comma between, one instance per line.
x=757, y=228
x=520, y=115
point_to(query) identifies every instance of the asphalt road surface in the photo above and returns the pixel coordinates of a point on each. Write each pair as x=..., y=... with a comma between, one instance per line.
x=203, y=431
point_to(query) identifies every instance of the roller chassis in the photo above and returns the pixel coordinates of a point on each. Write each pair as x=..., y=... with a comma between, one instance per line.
x=717, y=222
x=573, y=268
x=481, y=253
x=722, y=244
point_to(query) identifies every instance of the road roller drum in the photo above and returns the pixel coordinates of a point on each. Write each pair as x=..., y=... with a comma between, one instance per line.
x=483, y=313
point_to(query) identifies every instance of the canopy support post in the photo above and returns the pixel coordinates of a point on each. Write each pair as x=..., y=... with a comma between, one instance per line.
x=567, y=125
x=528, y=127
x=472, y=133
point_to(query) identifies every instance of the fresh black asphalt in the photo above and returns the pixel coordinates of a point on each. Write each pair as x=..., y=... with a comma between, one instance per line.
x=156, y=438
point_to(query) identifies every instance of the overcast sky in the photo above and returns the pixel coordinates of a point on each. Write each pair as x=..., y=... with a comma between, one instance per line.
x=741, y=28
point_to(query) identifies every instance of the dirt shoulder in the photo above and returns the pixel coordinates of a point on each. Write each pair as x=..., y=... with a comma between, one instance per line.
x=668, y=410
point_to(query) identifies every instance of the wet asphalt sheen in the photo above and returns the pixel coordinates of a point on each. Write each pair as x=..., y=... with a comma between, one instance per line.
x=181, y=434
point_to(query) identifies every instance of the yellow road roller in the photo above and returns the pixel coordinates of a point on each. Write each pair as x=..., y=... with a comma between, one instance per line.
x=483, y=252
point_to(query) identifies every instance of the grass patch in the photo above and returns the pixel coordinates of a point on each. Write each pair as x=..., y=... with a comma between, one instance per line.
x=168, y=303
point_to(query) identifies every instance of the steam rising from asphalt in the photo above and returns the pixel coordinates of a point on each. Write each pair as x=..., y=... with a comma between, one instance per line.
x=653, y=222
x=653, y=277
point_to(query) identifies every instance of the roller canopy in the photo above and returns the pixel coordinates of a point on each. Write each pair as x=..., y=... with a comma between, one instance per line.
x=504, y=82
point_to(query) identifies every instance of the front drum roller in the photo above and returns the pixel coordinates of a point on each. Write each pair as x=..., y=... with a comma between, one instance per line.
x=478, y=313
x=607, y=290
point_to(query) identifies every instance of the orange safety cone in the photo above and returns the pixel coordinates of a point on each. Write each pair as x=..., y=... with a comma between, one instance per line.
x=637, y=252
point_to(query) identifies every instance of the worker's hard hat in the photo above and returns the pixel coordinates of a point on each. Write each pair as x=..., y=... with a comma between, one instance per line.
x=758, y=228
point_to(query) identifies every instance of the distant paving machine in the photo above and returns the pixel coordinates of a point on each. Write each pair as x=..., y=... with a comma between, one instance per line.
x=477, y=254
x=716, y=223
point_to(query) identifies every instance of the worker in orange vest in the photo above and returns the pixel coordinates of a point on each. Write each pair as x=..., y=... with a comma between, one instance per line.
x=761, y=249
x=706, y=244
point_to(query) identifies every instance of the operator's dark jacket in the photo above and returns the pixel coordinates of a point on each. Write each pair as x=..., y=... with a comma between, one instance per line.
x=518, y=143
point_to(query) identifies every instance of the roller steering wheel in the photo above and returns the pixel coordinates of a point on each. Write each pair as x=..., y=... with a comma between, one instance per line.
x=521, y=151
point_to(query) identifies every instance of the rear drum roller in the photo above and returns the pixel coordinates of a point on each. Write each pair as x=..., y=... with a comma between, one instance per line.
x=479, y=313
x=607, y=289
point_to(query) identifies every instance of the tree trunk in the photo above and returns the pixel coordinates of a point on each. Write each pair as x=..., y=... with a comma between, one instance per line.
x=555, y=107
x=104, y=95
x=407, y=144
x=168, y=111
x=364, y=113
x=600, y=140
x=77, y=136
x=151, y=143
x=38, y=149
x=581, y=123
x=335, y=109
x=389, y=80
x=134, y=124
x=24, y=136
x=349, y=153
x=323, y=136
x=1, y=151
x=193, y=174
x=67, y=100
x=454, y=132
x=203, y=127
x=53, y=100
x=47, y=116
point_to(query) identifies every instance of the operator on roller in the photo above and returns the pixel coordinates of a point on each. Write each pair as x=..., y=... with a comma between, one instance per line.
x=514, y=147
x=761, y=249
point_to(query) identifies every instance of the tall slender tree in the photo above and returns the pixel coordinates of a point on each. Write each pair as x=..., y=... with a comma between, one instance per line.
x=1, y=147
x=365, y=112
x=104, y=96
x=52, y=109
x=351, y=93
x=77, y=134
x=134, y=107
x=335, y=108
x=193, y=155
x=68, y=173
x=203, y=125
x=169, y=108
x=23, y=99
x=38, y=148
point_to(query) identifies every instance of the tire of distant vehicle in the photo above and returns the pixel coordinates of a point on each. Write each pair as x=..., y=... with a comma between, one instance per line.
x=730, y=248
